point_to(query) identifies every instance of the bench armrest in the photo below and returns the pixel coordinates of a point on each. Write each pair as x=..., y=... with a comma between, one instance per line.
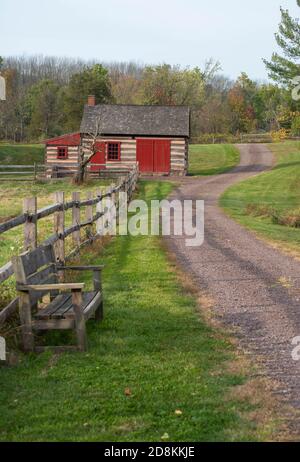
x=48, y=287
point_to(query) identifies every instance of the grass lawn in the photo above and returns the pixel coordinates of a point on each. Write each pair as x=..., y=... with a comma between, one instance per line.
x=21, y=154
x=152, y=356
x=212, y=159
x=269, y=203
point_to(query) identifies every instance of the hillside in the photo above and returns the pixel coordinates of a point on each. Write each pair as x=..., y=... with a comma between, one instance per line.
x=21, y=154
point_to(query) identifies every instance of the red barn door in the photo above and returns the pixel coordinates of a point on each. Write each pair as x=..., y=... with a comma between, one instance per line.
x=154, y=156
x=98, y=158
x=162, y=156
x=144, y=155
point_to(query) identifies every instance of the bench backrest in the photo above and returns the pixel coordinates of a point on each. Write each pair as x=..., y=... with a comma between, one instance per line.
x=36, y=267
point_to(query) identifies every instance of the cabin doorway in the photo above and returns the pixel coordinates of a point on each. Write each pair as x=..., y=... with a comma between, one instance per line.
x=154, y=156
x=98, y=160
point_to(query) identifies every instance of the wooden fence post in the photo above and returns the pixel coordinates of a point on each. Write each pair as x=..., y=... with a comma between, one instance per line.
x=126, y=186
x=129, y=186
x=76, y=218
x=59, y=228
x=30, y=226
x=108, y=214
x=113, y=213
x=99, y=209
x=89, y=216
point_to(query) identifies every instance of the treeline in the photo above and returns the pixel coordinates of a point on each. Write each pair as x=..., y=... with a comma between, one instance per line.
x=45, y=96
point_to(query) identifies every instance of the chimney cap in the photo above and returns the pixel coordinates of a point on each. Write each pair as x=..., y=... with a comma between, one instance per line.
x=91, y=100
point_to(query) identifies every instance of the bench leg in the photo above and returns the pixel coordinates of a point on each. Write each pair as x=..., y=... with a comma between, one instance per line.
x=26, y=321
x=99, y=313
x=79, y=320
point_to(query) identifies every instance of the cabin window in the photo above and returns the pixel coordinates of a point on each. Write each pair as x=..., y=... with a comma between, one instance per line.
x=62, y=152
x=113, y=151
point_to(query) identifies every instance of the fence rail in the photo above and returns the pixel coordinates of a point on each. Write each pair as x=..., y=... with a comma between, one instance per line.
x=22, y=172
x=60, y=170
x=103, y=218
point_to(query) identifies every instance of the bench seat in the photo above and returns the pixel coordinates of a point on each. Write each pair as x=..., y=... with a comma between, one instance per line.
x=61, y=307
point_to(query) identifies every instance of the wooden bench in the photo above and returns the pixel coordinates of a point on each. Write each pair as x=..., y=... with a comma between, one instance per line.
x=37, y=274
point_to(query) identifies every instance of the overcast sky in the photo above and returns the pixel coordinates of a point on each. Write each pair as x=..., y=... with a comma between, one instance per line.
x=236, y=32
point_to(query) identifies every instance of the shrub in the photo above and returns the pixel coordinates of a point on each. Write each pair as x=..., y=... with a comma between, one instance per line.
x=212, y=138
x=295, y=128
x=259, y=210
x=289, y=218
x=279, y=135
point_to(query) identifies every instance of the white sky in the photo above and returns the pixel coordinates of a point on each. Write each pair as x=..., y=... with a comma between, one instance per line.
x=236, y=32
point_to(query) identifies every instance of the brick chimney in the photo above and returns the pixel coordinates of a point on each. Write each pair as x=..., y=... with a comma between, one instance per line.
x=91, y=100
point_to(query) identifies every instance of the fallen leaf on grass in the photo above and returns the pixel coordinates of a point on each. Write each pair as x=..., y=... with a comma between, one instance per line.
x=127, y=392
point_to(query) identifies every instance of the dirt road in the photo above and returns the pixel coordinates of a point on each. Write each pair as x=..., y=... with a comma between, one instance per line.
x=245, y=277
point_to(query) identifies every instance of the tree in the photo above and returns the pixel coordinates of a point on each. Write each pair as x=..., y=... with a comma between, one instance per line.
x=8, y=117
x=92, y=81
x=42, y=109
x=171, y=85
x=126, y=90
x=213, y=117
x=84, y=159
x=242, y=112
x=284, y=68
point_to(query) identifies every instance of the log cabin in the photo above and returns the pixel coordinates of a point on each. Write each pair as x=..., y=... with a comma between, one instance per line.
x=154, y=136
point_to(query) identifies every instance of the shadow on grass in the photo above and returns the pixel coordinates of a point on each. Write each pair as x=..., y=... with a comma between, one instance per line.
x=286, y=165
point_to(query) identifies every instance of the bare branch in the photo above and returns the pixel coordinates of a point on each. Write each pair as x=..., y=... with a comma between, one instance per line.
x=85, y=160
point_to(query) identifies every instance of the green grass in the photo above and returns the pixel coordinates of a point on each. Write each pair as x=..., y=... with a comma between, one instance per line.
x=153, y=342
x=21, y=154
x=12, y=193
x=212, y=159
x=261, y=202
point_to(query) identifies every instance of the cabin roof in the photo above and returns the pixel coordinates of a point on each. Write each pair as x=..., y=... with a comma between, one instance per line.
x=133, y=120
x=70, y=139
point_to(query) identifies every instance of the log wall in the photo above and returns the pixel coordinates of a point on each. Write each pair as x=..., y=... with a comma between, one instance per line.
x=51, y=157
x=179, y=153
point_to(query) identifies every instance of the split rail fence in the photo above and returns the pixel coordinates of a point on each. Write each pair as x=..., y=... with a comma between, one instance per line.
x=45, y=172
x=22, y=172
x=102, y=218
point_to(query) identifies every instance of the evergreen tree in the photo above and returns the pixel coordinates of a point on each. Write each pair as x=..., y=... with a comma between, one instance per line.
x=284, y=68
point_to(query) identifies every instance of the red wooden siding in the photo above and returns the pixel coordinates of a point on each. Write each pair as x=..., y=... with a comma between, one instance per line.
x=98, y=157
x=154, y=155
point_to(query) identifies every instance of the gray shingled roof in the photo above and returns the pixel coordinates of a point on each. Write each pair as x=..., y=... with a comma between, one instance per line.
x=137, y=120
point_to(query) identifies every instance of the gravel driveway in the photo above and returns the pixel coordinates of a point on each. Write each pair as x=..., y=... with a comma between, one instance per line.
x=243, y=275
